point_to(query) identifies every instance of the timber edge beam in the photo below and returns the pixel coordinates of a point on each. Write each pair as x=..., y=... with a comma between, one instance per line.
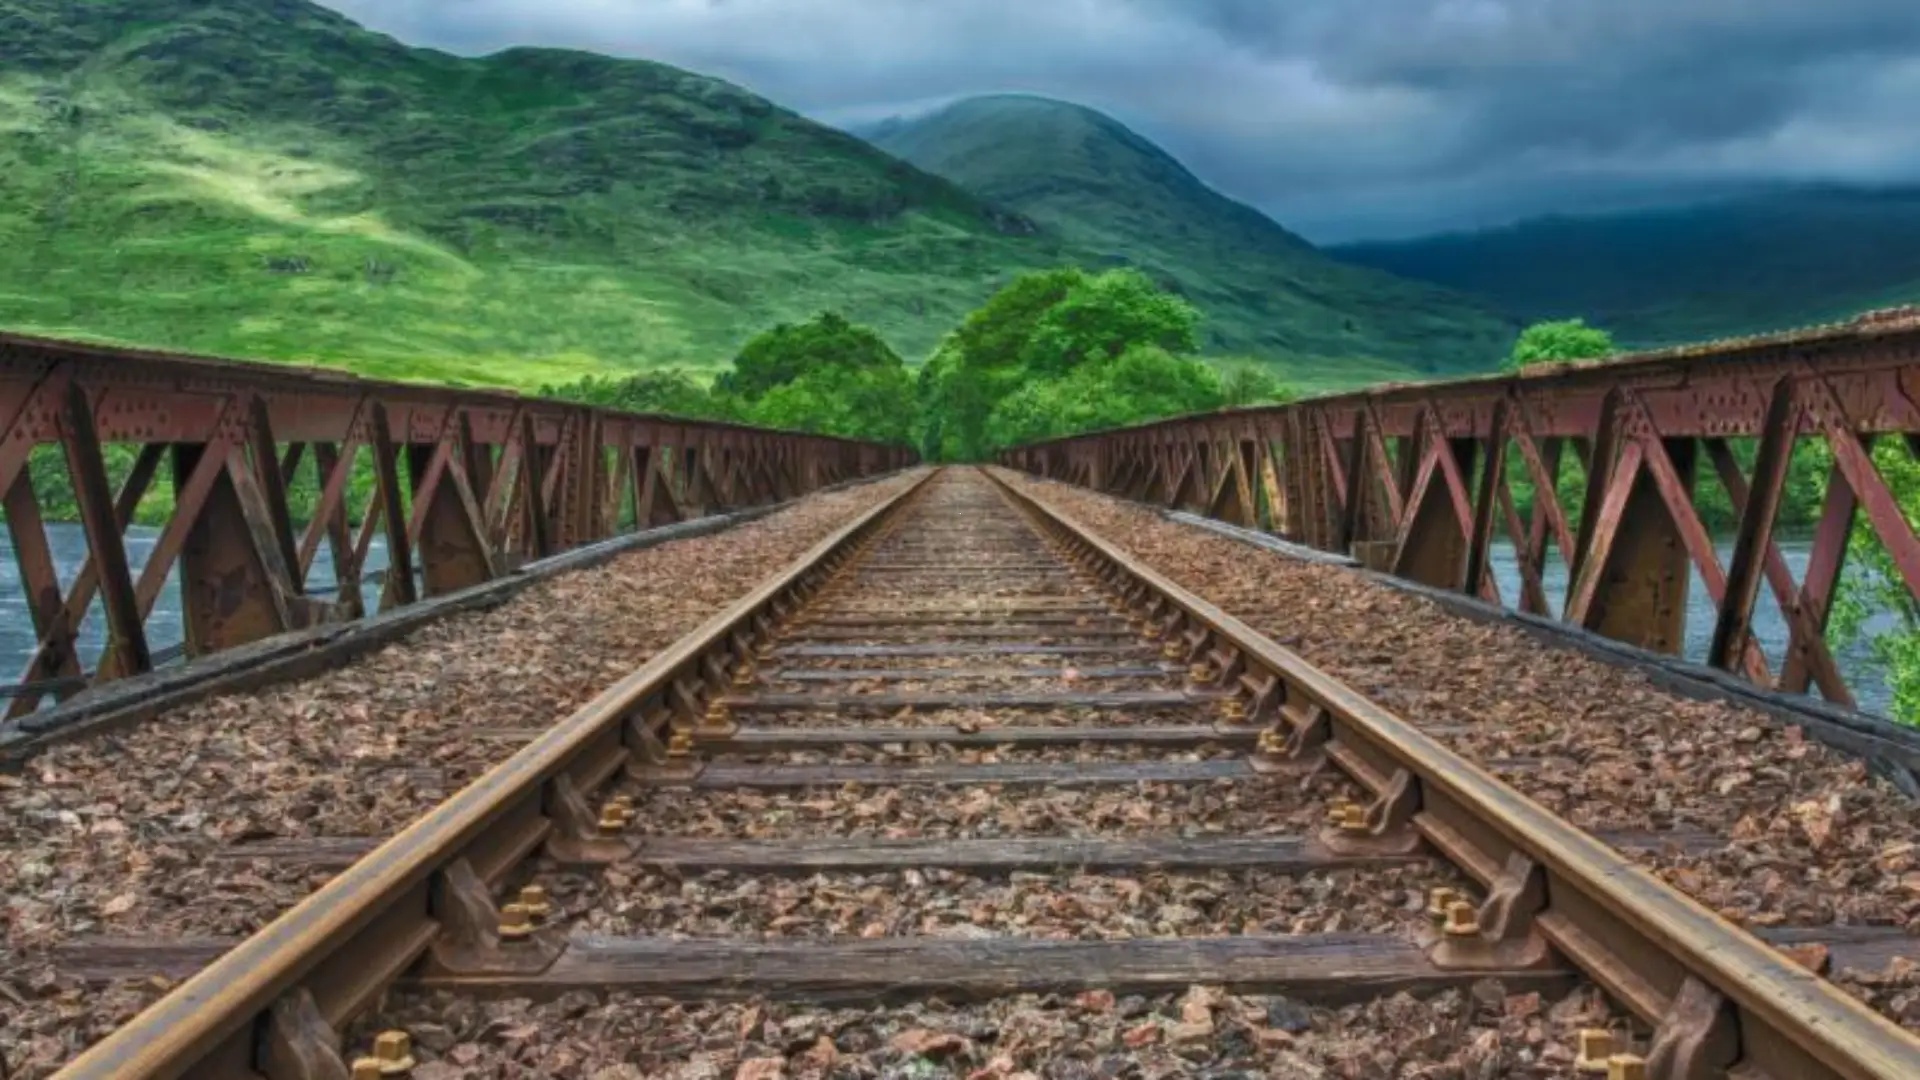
x=465, y=486
x=1599, y=467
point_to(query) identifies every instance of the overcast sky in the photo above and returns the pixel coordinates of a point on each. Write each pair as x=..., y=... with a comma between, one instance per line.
x=1341, y=118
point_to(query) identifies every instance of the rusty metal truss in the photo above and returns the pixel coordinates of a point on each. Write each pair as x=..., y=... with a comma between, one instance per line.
x=467, y=485
x=1419, y=481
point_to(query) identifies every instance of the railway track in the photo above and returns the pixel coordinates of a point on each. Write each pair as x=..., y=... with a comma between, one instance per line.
x=965, y=750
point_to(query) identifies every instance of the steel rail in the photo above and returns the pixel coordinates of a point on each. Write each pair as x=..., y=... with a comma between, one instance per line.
x=1649, y=945
x=386, y=905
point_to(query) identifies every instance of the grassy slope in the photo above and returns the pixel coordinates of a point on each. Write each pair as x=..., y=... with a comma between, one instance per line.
x=1266, y=292
x=264, y=178
x=1737, y=267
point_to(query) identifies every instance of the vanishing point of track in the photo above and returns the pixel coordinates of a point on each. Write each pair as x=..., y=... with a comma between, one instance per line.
x=999, y=643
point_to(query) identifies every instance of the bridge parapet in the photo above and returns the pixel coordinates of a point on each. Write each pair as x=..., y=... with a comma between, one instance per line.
x=1423, y=479
x=268, y=464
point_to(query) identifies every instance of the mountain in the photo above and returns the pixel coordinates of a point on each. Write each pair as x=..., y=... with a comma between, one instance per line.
x=1111, y=193
x=265, y=178
x=1769, y=261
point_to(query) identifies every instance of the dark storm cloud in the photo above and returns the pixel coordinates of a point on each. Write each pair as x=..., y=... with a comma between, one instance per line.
x=1338, y=116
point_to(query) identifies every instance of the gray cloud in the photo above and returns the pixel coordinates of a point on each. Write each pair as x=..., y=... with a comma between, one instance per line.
x=1338, y=117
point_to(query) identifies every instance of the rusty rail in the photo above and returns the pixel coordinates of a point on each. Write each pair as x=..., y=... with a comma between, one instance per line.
x=467, y=484
x=1716, y=996
x=1419, y=480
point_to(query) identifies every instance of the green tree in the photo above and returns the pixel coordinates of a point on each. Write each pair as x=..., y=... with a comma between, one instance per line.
x=1246, y=382
x=789, y=351
x=826, y=375
x=668, y=391
x=1872, y=591
x=1104, y=316
x=1553, y=342
x=855, y=403
x=1038, y=328
x=1143, y=383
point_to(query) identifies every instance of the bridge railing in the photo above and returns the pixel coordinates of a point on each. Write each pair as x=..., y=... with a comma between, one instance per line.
x=271, y=489
x=1422, y=480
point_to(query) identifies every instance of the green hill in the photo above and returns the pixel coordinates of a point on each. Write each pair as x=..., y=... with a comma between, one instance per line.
x=265, y=178
x=1107, y=191
x=1738, y=266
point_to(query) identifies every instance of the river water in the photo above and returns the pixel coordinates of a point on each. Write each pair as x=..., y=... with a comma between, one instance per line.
x=164, y=628
x=1863, y=672
x=68, y=543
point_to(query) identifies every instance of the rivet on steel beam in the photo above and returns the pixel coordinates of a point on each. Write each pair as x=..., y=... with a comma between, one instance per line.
x=1626, y=1067
x=534, y=899
x=1595, y=1047
x=516, y=922
x=394, y=1051
x=1438, y=901
x=1463, y=920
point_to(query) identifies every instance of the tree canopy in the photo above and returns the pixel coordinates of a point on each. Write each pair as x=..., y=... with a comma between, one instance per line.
x=791, y=351
x=668, y=391
x=826, y=375
x=1553, y=342
x=1063, y=351
x=1050, y=353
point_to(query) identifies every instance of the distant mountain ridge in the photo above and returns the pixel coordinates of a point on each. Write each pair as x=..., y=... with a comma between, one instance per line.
x=1107, y=190
x=1735, y=266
